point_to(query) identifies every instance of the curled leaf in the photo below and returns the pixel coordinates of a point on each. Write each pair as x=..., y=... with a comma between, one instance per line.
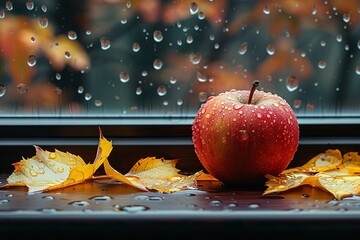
x=329, y=171
x=53, y=170
x=156, y=174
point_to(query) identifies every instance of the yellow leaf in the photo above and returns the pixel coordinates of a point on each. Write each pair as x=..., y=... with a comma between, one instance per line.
x=156, y=174
x=53, y=170
x=324, y=161
x=340, y=183
x=328, y=171
x=352, y=161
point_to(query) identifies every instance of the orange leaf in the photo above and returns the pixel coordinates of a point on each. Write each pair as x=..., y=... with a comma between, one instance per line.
x=154, y=174
x=53, y=170
x=328, y=171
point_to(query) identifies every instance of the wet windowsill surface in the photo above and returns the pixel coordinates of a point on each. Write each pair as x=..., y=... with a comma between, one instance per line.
x=105, y=206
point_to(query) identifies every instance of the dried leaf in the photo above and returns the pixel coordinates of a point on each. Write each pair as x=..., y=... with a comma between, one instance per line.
x=156, y=174
x=328, y=171
x=53, y=170
x=340, y=183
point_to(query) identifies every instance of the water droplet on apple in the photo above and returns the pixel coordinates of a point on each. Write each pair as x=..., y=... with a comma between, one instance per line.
x=258, y=115
x=237, y=106
x=276, y=104
x=283, y=102
x=243, y=135
x=223, y=139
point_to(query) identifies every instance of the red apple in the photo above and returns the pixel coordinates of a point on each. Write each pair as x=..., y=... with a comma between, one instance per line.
x=240, y=136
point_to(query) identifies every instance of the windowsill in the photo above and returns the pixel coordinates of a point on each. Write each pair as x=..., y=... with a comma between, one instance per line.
x=170, y=138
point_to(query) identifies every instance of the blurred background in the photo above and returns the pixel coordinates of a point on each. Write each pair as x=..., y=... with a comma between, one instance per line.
x=165, y=58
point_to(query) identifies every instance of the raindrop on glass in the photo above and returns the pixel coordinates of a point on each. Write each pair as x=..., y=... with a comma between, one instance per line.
x=123, y=21
x=195, y=58
x=124, y=77
x=189, y=39
x=243, y=48
x=88, y=32
x=138, y=91
x=292, y=83
x=22, y=88
x=201, y=15
x=30, y=5
x=58, y=76
x=179, y=102
x=44, y=8
x=203, y=96
x=98, y=103
x=2, y=13
x=67, y=55
x=358, y=44
x=88, y=96
x=9, y=6
x=357, y=70
x=144, y=73
x=157, y=64
x=72, y=35
x=173, y=80
x=161, y=91
x=2, y=90
x=31, y=61
x=322, y=64
x=43, y=22
x=314, y=10
x=323, y=43
x=270, y=49
x=201, y=77
x=80, y=89
x=339, y=37
x=346, y=17
x=193, y=8
x=136, y=47
x=158, y=36
x=297, y=103
x=32, y=40
x=266, y=9
x=105, y=43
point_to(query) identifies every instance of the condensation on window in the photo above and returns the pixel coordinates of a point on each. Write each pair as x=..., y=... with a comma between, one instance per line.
x=166, y=58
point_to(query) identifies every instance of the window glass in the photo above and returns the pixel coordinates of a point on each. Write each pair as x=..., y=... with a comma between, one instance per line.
x=165, y=58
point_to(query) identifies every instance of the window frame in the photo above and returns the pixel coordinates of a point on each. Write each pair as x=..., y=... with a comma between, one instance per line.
x=137, y=137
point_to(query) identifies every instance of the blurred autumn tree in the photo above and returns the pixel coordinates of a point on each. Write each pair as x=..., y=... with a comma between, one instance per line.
x=167, y=57
x=33, y=56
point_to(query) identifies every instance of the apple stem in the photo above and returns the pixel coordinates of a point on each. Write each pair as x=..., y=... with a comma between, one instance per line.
x=254, y=86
